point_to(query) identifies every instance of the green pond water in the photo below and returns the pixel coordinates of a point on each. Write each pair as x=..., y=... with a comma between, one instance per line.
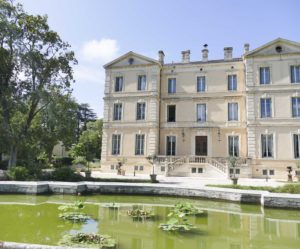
x=34, y=219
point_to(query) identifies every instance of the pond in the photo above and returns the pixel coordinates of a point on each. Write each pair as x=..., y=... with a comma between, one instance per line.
x=34, y=219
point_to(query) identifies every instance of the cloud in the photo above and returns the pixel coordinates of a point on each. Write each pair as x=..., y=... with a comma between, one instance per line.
x=83, y=73
x=103, y=50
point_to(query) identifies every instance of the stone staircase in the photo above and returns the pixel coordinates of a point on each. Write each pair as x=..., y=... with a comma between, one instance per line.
x=200, y=166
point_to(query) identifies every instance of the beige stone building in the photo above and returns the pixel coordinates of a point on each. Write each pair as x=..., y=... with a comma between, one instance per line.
x=194, y=115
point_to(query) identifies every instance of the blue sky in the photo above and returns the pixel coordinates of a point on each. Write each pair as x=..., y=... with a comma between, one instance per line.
x=101, y=30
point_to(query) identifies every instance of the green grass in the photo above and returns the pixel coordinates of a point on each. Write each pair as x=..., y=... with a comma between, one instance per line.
x=293, y=188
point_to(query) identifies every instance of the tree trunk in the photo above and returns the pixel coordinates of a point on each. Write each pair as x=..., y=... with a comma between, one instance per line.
x=13, y=156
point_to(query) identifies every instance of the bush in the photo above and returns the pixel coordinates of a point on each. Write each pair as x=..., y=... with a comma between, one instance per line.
x=62, y=162
x=66, y=174
x=4, y=164
x=18, y=173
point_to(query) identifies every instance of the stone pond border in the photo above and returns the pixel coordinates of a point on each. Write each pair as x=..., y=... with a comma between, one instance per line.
x=264, y=198
x=13, y=245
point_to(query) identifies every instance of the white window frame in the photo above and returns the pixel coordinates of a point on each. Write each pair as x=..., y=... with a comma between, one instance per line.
x=259, y=75
x=136, y=114
x=271, y=106
x=294, y=149
x=296, y=82
x=142, y=146
x=167, y=114
x=298, y=113
x=112, y=144
x=172, y=79
x=230, y=82
x=197, y=118
x=176, y=140
x=239, y=144
x=230, y=109
x=113, y=112
x=205, y=82
x=123, y=83
x=273, y=145
x=142, y=75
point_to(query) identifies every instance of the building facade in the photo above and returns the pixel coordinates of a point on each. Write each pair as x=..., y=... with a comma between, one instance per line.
x=195, y=115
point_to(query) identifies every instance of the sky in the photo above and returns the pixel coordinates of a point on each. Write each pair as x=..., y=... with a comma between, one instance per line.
x=101, y=30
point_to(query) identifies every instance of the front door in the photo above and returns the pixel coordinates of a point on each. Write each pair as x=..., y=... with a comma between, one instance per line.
x=201, y=145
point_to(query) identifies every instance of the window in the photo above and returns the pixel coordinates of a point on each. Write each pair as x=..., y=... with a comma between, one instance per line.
x=112, y=167
x=171, y=113
x=296, y=107
x=295, y=74
x=142, y=82
x=267, y=145
x=297, y=146
x=116, y=139
x=200, y=170
x=119, y=84
x=140, y=111
x=194, y=170
x=266, y=108
x=136, y=168
x=233, y=112
x=232, y=83
x=201, y=112
x=201, y=85
x=172, y=85
x=264, y=75
x=233, y=146
x=139, y=144
x=141, y=168
x=162, y=168
x=171, y=145
x=118, y=111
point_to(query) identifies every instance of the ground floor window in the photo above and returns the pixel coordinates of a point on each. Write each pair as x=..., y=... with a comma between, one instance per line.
x=116, y=140
x=233, y=146
x=267, y=145
x=269, y=172
x=297, y=146
x=171, y=145
x=197, y=170
x=139, y=144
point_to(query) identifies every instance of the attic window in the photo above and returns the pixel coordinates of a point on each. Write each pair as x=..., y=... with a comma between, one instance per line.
x=130, y=61
x=278, y=49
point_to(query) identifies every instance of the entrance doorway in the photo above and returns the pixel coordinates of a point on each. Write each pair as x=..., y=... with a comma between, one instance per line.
x=201, y=145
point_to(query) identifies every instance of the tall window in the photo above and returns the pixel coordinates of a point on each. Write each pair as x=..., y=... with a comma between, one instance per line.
x=116, y=141
x=201, y=112
x=295, y=74
x=172, y=85
x=267, y=145
x=139, y=144
x=232, y=82
x=297, y=146
x=171, y=113
x=233, y=146
x=117, y=111
x=201, y=84
x=265, y=108
x=119, y=84
x=296, y=107
x=171, y=145
x=264, y=75
x=142, y=82
x=140, y=111
x=233, y=112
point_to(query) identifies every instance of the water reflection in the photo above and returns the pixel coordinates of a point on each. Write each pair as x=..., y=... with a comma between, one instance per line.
x=228, y=227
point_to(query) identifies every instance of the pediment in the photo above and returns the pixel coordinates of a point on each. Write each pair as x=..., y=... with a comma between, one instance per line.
x=273, y=48
x=131, y=59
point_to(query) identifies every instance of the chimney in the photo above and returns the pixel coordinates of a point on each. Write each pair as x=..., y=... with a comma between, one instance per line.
x=161, y=57
x=186, y=56
x=228, y=53
x=246, y=48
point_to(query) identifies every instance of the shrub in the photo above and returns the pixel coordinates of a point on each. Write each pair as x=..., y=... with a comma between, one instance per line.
x=66, y=174
x=4, y=164
x=18, y=173
x=62, y=162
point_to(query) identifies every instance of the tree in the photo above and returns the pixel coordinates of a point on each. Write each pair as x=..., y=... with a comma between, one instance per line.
x=35, y=66
x=85, y=114
x=89, y=146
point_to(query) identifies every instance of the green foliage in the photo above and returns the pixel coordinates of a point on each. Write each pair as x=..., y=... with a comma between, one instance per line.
x=18, y=173
x=178, y=220
x=62, y=162
x=66, y=174
x=186, y=208
x=293, y=188
x=140, y=213
x=89, y=240
x=73, y=212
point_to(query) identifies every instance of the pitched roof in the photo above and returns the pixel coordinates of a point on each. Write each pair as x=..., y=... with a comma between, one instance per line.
x=133, y=54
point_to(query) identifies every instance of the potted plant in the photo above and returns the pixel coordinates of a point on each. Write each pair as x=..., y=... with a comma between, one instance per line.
x=233, y=164
x=297, y=171
x=151, y=159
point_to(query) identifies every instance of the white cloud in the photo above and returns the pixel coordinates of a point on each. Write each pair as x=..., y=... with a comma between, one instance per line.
x=85, y=74
x=103, y=50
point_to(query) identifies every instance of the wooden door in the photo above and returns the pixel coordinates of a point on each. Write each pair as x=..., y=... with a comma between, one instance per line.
x=201, y=145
